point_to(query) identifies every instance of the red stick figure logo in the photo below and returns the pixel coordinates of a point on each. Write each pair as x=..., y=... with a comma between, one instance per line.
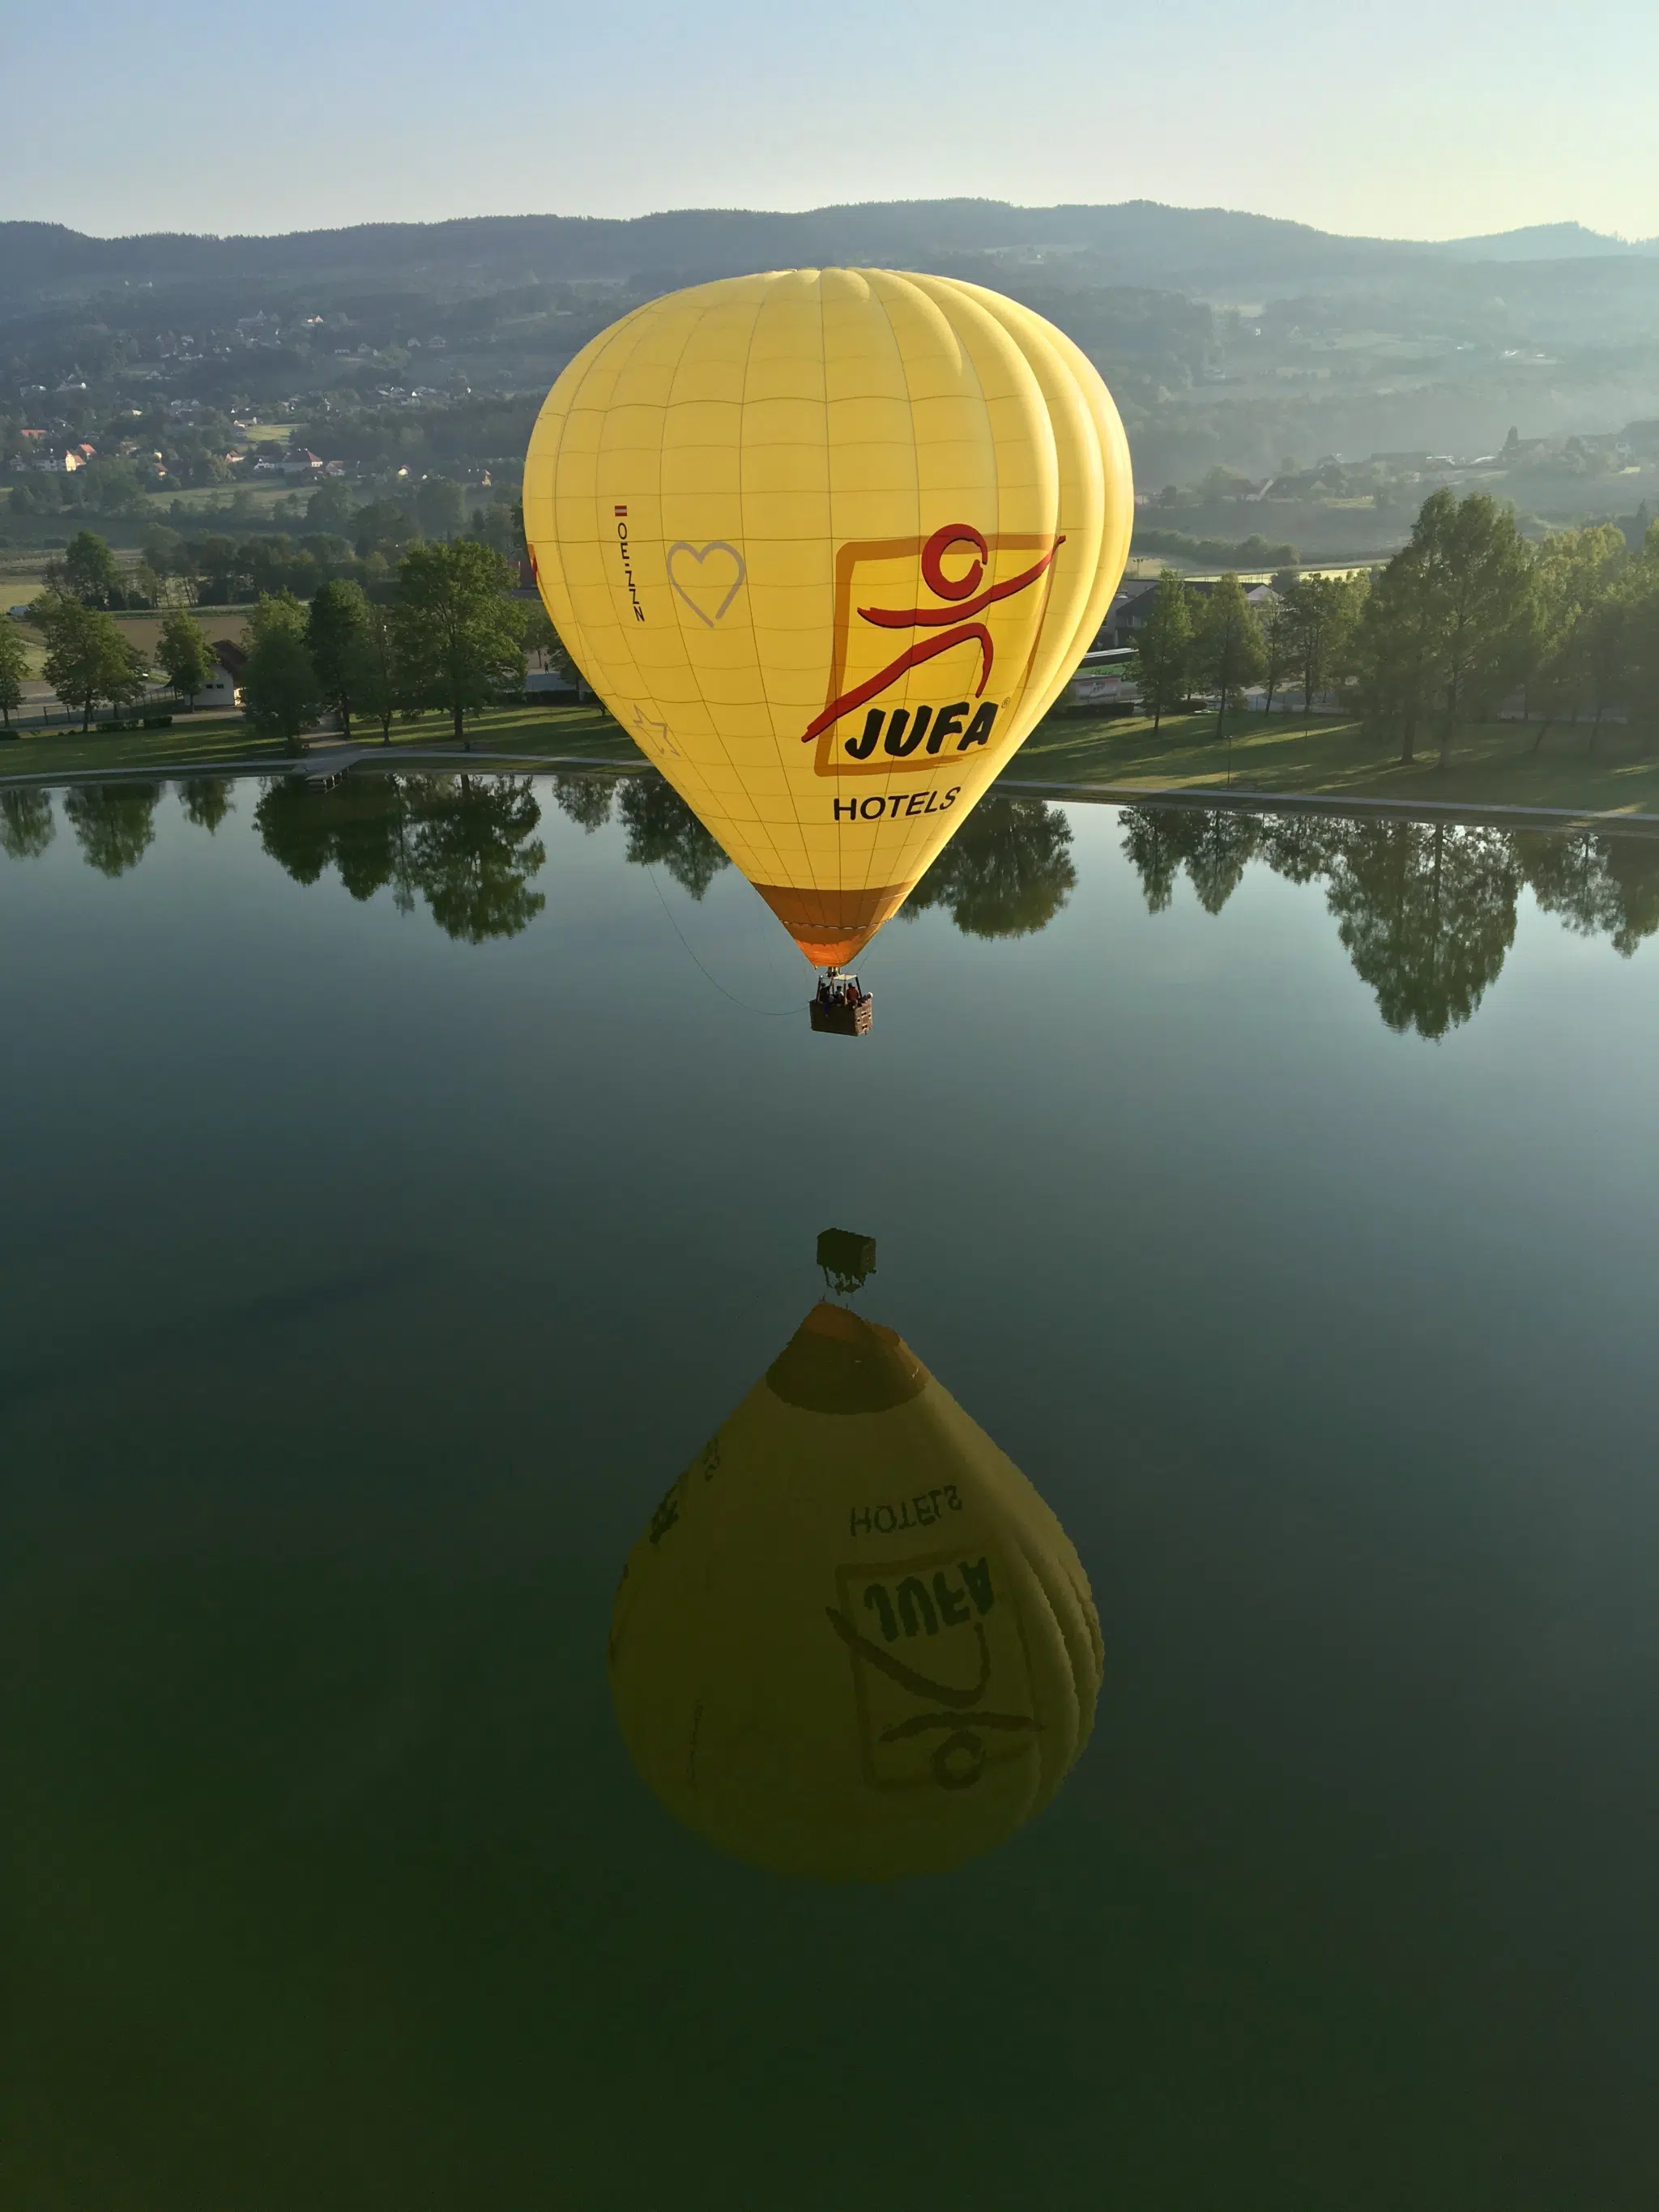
x=962, y=601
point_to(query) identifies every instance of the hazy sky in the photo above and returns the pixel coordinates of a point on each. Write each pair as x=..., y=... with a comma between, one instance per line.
x=1421, y=118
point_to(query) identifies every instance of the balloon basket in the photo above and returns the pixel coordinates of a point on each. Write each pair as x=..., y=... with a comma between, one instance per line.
x=851, y=1018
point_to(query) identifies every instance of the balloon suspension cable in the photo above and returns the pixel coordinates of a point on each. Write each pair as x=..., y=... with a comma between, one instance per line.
x=767, y=1013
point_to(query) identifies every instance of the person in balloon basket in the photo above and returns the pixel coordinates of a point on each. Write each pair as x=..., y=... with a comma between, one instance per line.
x=841, y=991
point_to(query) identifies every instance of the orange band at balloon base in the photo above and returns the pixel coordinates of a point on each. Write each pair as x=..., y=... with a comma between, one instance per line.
x=832, y=927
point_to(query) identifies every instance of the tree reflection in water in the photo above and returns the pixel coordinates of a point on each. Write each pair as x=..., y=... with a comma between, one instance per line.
x=205, y=799
x=27, y=826
x=1425, y=910
x=114, y=823
x=1426, y=913
x=660, y=826
x=585, y=799
x=465, y=844
x=1006, y=873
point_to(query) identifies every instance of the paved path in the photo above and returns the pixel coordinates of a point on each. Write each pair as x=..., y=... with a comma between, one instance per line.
x=1398, y=810
x=319, y=762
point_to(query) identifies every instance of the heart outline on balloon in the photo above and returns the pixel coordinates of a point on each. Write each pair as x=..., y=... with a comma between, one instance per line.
x=700, y=554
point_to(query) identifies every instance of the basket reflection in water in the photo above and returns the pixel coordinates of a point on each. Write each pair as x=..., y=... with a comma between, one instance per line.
x=854, y=1642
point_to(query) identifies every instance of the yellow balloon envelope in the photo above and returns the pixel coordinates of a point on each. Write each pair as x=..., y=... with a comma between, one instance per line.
x=854, y=1642
x=829, y=542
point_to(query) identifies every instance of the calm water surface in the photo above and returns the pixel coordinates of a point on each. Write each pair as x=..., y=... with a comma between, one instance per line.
x=393, y=1208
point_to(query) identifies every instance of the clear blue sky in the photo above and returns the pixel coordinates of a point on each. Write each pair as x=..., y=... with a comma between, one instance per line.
x=1419, y=118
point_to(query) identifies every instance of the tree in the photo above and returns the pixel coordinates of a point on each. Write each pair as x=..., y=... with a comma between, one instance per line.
x=1482, y=568
x=380, y=676
x=1227, y=644
x=362, y=825
x=1447, y=626
x=1301, y=846
x=660, y=826
x=1219, y=844
x=1278, y=647
x=113, y=486
x=1641, y=641
x=475, y=853
x=205, y=801
x=501, y=525
x=441, y=507
x=1213, y=843
x=337, y=635
x=185, y=656
x=383, y=522
x=586, y=799
x=468, y=846
x=1577, y=653
x=1476, y=564
x=1006, y=873
x=544, y=641
x=280, y=683
x=13, y=666
x=329, y=507
x=88, y=661
x=459, y=634
x=1598, y=649
x=1151, y=846
x=27, y=827
x=114, y=823
x=90, y=573
x=1394, y=650
x=1632, y=865
x=1164, y=648
x=1426, y=913
x=1322, y=612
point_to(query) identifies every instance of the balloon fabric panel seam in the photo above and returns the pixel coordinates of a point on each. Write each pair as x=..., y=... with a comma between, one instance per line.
x=870, y=869
x=761, y=830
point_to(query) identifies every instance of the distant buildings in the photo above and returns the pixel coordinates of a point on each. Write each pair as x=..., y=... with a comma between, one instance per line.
x=290, y=467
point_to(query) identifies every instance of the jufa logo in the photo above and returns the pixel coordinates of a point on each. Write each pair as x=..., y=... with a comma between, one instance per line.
x=884, y=586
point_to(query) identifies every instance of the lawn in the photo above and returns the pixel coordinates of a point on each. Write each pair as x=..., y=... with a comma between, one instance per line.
x=197, y=742
x=1492, y=764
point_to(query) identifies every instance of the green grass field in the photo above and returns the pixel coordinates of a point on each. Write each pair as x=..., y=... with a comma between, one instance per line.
x=1492, y=764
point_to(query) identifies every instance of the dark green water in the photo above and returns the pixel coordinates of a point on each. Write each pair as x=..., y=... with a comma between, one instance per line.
x=1284, y=1206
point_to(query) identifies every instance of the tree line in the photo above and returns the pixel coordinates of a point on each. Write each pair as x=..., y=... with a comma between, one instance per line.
x=468, y=845
x=1425, y=910
x=212, y=567
x=451, y=636
x=1468, y=618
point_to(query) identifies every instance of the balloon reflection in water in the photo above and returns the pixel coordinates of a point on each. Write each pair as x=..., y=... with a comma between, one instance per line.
x=854, y=1642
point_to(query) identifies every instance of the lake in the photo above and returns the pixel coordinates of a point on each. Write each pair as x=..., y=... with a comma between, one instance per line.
x=405, y=1184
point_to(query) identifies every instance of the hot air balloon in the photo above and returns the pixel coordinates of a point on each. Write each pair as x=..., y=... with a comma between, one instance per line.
x=829, y=542
x=854, y=1642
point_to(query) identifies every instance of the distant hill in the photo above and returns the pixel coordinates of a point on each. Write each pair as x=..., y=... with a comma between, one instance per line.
x=1545, y=241
x=1203, y=250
